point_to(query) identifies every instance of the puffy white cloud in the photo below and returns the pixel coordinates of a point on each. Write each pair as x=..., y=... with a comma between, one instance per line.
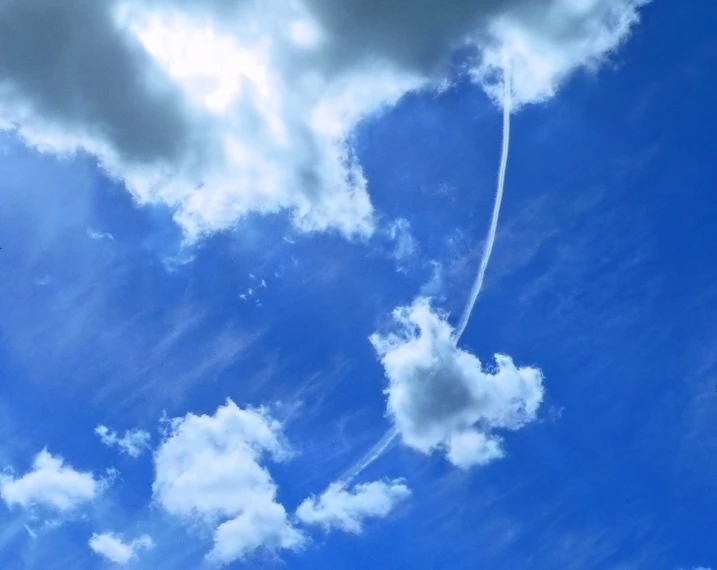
x=113, y=547
x=208, y=469
x=441, y=397
x=346, y=509
x=262, y=526
x=50, y=483
x=471, y=447
x=219, y=109
x=133, y=443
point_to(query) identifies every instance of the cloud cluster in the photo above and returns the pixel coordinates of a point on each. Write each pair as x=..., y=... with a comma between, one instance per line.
x=346, y=509
x=50, y=483
x=114, y=548
x=208, y=469
x=134, y=442
x=440, y=397
x=225, y=108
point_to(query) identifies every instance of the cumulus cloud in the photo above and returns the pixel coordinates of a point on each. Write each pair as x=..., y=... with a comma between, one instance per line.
x=133, y=443
x=114, y=548
x=440, y=397
x=50, y=483
x=346, y=509
x=547, y=41
x=208, y=470
x=225, y=108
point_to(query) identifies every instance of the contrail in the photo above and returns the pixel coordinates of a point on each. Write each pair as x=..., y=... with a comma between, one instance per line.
x=490, y=240
x=369, y=457
x=383, y=444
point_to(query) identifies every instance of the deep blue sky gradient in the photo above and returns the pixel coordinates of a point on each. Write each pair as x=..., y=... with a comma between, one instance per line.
x=603, y=274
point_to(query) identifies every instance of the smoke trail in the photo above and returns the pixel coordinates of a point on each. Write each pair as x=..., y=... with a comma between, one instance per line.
x=369, y=457
x=490, y=240
x=382, y=445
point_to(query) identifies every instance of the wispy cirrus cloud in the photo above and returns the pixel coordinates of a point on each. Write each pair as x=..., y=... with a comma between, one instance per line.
x=98, y=235
x=346, y=508
x=134, y=442
x=404, y=244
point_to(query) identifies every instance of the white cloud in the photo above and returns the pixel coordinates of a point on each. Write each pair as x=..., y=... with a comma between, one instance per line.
x=404, y=244
x=346, y=509
x=547, y=41
x=441, y=397
x=208, y=470
x=113, y=547
x=97, y=235
x=470, y=447
x=219, y=109
x=50, y=483
x=133, y=443
x=434, y=286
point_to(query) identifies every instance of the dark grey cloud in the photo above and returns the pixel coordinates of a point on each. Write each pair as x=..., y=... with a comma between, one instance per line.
x=68, y=65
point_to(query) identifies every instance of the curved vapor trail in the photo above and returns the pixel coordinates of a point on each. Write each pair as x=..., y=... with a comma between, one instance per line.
x=490, y=239
x=369, y=457
x=383, y=444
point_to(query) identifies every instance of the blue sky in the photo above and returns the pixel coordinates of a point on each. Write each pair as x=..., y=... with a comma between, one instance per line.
x=231, y=310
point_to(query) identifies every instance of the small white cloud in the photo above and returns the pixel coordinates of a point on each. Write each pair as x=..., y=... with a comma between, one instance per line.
x=404, y=244
x=50, y=483
x=346, y=509
x=97, y=235
x=133, y=443
x=434, y=286
x=113, y=547
x=440, y=396
x=208, y=469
